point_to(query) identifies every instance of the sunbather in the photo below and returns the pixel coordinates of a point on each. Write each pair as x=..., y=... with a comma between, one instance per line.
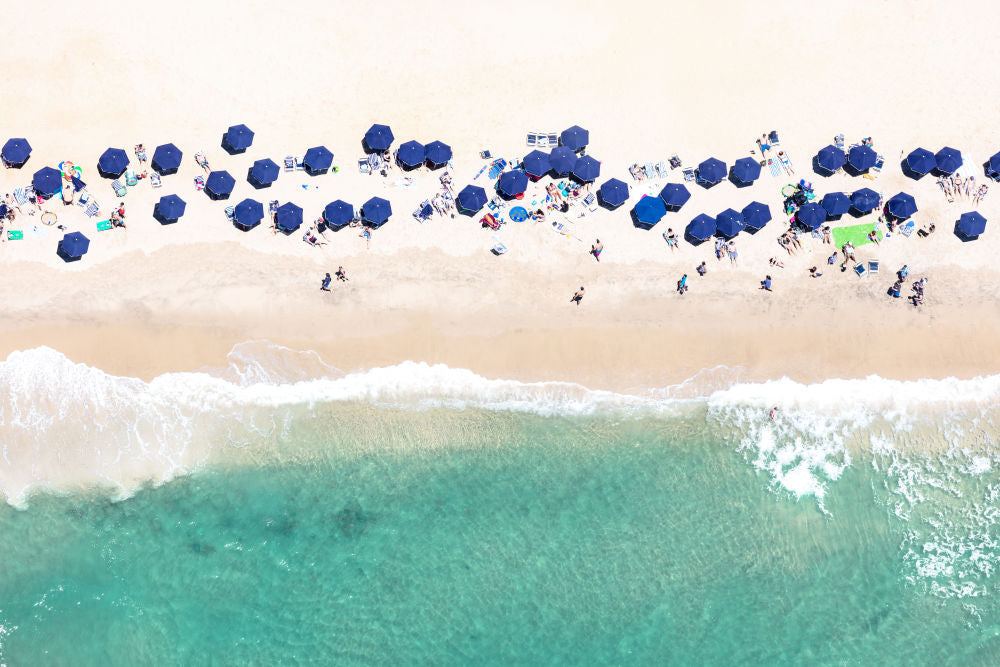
x=140, y=154
x=873, y=237
x=774, y=261
x=202, y=161
x=671, y=238
x=826, y=235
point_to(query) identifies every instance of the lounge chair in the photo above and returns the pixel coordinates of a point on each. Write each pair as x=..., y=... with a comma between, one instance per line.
x=689, y=174
x=495, y=205
x=21, y=195
x=590, y=201
x=199, y=183
x=498, y=247
x=860, y=270
x=104, y=226
x=553, y=139
x=838, y=141
x=363, y=165
x=93, y=208
x=873, y=267
x=532, y=139
x=661, y=169
x=119, y=189
x=298, y=163
x=155, y=180
x=130, y=178
x=497, y=168
x=650, y=170
x=83, y=199
x=907, y=229
x=674, y=161
x=542, y=140
x=486, y=155
x=772, y=137
x=290, y=164
x=230, y=213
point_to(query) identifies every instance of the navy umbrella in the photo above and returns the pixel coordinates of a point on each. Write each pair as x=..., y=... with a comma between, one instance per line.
x=73, y=246
x=166, y=159
x=711, y=170
x=701, y=228
x=811, y=216
x=995, y=165
x=248, y=214
x=756, y=215
x=437, y=153
x=921, y=161
x=648, y=211
x=317, y=160
x=536, y=163
x=376, y=211
x=237, y=139
x=169, y=209
x=830, y=158
x=613, y=192
x=47, y=181
x=112, y=163
x=746, y=170
x=471, y=199
x=562, y=159
x=864, y=200
x=411, y=154
x=263, y=173
x=862, y=158
x=587, y=169
x=948, y=160
x=338, y=213
x=219, y=185
x=574, y=138
x=288, y=217
x=674, y=195
x=729, y=223
x=16, y=152
x=512, y=183
x=378, y=138
x=836, y=203
x=971, y=224
x=902, y=206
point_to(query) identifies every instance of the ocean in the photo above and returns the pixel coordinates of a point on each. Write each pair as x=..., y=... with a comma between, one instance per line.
x=278, y=511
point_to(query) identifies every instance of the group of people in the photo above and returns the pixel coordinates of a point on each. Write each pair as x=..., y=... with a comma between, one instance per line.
x=723, y=248
x=341, y=276
x=955, y=187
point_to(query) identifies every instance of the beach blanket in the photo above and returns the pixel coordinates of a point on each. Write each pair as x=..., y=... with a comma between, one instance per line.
x=856, y=234
x=774, y=167
x=15, y=234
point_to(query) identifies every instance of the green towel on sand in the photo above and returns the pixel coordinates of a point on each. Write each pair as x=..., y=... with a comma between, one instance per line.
x=104, y=225
x=856, y=234
x=15, y=234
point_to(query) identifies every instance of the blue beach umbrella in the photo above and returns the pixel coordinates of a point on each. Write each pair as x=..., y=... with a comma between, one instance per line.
x=574, y=138
x=166, y=159
x=338, y=213
x=73, y=246
x=971, y=225
x=378, y=138
x=16, y=152
x=411, y=154
x=901, y=206
x=648, y=211
x=948, y=160
x=864, y=200
x=437, y=153
x=47, y=181
x=112, y=163
x=836, y=203
x=729, y=223
x=317, y=160
x=512, y=183
x=536, y=163
x=862, y=158
x=248, y=214
x=169, y=209
x=219, y=185
x=921, y=161
x=563, y=160
x=830, y=158
x=586, y=169
x=237, y=139
x=811, y=216
x=701, y=228
x=756, y=215
x=263, y=173
x=288, y=217
x=674, y=195
x=746, y=170
x=994, y=165
x=376, y=211
x=711, y=171
x=471, y=199
x=613, y=192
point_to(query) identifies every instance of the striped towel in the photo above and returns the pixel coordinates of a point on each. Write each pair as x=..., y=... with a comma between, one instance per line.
x=21, y=196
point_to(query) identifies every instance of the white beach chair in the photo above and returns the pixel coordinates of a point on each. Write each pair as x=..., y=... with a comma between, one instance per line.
x=532, y=138
x=873, y=267
x=93, y=208
x=498, y=247
x=860, y=270
x=298, y=163
x=155, y=180
x=363, y=165
x=661, y=169
x=290, y=163
x=230, y=213
x=21, y=196
x=542, y=141
x=83, y=199
x=650, y=170
x=553, y=139
x=590, y=201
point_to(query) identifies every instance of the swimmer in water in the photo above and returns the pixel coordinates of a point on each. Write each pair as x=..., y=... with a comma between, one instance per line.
x=774, y=411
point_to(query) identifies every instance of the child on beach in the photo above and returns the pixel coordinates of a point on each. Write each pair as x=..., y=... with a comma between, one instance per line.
x=814, y=273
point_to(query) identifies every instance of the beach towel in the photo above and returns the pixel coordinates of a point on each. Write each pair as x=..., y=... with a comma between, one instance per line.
x=773, y=167
x=856, y=234
x=103, y=225
x=15, y=235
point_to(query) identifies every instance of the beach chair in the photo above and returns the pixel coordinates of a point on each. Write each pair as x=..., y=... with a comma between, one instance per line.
x=363, y=165
x=93, y=208
x=689, y=174
x=541, y=140
x=498, y=247
x=104, y=226
x=497, y=168
x=130, y=178
x=230, y=213
x=860, y=270
x=838, y=141
x=199, y=183
x=298, y=163
x=495, y=204
x=772, y=137
x=661, y=169
x=872, y=267
x=83, y=199
x=675, y=161
x=552, y=138
x=155, y=180
x=907, y=229
x=491, y=221
x=486, y=155
x=532, y=140
x=290, y=163
x=590, y=201
x=650, y=170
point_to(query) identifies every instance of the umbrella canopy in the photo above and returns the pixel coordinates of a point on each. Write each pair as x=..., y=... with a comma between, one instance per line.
x=574, y=138
x=536, y=163
x=587, y=169
x=756, y=215
x=74, y=245
x=711, y=170
x=512, y=183
x=971, y=224
x=563, y=160
x=16, y=152
x=702, y=227
x=263, y=173
x=948, y=159
x=729, y=223
x=170, y=208
x=648, y=211
x=219, y=185
x=338, y=213
x=471, y=198
x=237, y=139
x=248, y=214
x=411, y=154
x=376, y=211
x=920, y=161
x=112, y=163
x=746, y=170
x=47, y=181
x=166, y=159
x=864, y=200
x=995, y=164
x=836, y=203
x=378, y=138
x=674, y=195
x=613, y=192
x=437, y=153
x=811, y=215
x=831, y=158
x=902, y=206
x=317, y=160
x=288, y=217
x=862, y=158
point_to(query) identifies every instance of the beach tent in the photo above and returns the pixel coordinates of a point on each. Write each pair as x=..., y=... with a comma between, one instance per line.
x=47, y=181
x=317, y=160
x=219, y=185
x=112, y=163
x=746, y=170
x=862, y=158
x=864, y=200
x=830, y=158
x=586, y=169
x=166, y=159
x=613, y=193
x=901, y=206
x=378, y=138
x=376, y=211
x=948, y=160
x=512, y=183
x=729, y=223
x=237, y=139
x=16, y=152
x=701, y=228
x=263, y=173
x=338, y=213
x=648, y=211
x=248, y=214
x=288, y=217
x=563, y=160
x=411, y=154
x=711, y=171
x=574, y=138
x=971, y=225
x=921, y=161
x=756, y=215
x=836, y=203
x=471, y=199
x=73, y=246
x=437, y=153
x=811, y=216
x=674, y=196
x=536, y=163
x=169, y=209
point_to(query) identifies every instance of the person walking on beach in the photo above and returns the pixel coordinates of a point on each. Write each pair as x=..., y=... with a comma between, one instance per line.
x=720, y=247
x=341, y=274
x=682, y=284
x=326, y=283
x=578, y=296
x=766, y=283
x=702, y=269
x=596, y=249
x=733, y=255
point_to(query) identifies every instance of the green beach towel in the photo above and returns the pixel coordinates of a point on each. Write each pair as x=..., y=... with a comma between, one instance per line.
x=15, y=234
x=104, y=225
x=856, y=234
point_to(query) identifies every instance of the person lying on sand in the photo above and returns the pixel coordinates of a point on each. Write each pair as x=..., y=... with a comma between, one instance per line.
x=814, y=272
x=774, y=262
x=873, y=237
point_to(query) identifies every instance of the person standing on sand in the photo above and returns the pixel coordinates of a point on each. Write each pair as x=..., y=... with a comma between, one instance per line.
x=733, y=255
x=326, y=283
x=578, y=296
x=702, y=269
x=596, y=249
x=682, y=284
